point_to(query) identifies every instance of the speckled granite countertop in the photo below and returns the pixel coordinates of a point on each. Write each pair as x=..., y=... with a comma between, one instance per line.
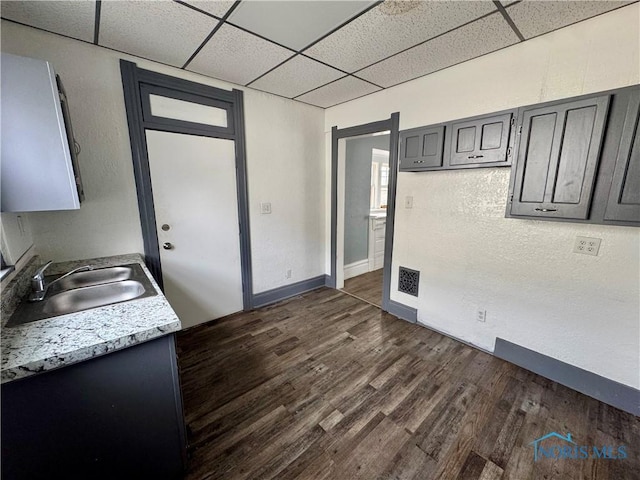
x=66, y=339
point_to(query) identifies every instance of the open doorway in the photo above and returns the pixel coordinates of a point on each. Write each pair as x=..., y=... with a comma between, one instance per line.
x=363, y=184
x=365, y=213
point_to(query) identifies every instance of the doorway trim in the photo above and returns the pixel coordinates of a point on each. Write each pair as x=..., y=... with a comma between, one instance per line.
x=137, y=84
x=392, y=125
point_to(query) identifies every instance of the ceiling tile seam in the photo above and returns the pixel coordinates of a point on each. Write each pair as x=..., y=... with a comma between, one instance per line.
x=89, y=42
x=350, y=100
x=332, y=81
x=96, y=26
x=323, y=63
x=324, y=85
x=309, y=58
x=426, y=41
x=173, y=66
x=578, y=21
x=193, y=7
x=365, y=80
x=272, y=69
x=246, y=30
x=509, y=20
x=449, y=66
x=342, y=25
x=213, y=32
x=151, y=60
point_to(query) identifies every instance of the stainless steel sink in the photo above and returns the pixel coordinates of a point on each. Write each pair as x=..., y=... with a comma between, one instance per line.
x=94, y=277
x=94, y=296
x=86, y=290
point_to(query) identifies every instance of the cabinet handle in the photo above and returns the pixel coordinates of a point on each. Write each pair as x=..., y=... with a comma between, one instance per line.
x=546, y=210
x=418, y=161
x=475, y=156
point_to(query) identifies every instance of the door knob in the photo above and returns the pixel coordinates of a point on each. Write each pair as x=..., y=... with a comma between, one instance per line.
x=167, y=246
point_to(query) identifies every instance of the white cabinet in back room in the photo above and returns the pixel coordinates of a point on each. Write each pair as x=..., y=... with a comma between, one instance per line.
x=38, y=154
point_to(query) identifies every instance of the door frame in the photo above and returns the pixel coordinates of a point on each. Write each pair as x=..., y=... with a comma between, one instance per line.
x=392, y=125
x=138, y=84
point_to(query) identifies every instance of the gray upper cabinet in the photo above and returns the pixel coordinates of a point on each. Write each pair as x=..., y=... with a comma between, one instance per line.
x=422, y=148
x=481, y=140
x=624, y=196
x=558, y=153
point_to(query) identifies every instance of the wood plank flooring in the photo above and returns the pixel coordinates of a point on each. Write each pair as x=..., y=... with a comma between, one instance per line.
x=367, y=287
x=325, y=386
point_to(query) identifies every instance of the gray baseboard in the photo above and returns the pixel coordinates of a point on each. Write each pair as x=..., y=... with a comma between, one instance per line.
x=608, y=391
x=402, y=311
x=281, y=293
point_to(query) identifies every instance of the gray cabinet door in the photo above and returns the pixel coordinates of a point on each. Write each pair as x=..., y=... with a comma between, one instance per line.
x=624, y=196
x=480, y=140
x=421, y=148
x=558, y=153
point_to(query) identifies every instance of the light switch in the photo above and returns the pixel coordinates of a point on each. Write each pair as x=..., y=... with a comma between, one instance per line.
x=265, y=208
x=408, y=201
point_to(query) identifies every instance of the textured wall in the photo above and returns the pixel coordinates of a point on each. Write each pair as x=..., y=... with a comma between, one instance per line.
x=284, y=155
x=537, y=293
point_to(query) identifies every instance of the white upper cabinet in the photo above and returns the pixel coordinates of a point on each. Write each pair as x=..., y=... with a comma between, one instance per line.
x=37, y=163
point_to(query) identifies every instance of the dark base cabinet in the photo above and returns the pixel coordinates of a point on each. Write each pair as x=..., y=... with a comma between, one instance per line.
x=112, y=417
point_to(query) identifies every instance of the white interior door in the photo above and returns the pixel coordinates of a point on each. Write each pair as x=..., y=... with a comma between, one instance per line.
x=194, y=194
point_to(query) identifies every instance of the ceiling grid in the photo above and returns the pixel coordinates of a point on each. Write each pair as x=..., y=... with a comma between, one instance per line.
x=319, y=52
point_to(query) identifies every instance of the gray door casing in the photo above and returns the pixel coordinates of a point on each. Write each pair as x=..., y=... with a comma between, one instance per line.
x=138, y=84
x=391, y=125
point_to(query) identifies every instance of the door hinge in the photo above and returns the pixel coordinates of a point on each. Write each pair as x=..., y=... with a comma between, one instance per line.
x=511, y=198
x=519, y=129
x=513, y=121
x=509, y=152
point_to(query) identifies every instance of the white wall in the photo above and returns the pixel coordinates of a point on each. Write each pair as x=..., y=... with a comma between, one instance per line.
x=285, y=156
x=15, y=237
x=582, y=310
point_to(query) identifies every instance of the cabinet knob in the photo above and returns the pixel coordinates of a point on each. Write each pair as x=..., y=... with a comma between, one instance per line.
x=167, y=246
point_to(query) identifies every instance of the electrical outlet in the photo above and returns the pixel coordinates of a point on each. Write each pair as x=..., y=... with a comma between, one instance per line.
x=587, y=246
x=288, y=273
x=481, y=316
x=408, y=201
x=265, y=208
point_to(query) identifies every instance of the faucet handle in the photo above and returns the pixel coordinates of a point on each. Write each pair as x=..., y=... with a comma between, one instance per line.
x=39, y=273
x=37, y=281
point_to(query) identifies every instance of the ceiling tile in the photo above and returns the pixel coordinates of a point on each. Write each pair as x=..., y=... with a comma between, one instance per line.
x=534, y=17
x=157, y=30
x=237, y=56
x=295, y=24
x=380, y=33
x=347, y=88
x=214, y=7
x=482, y=36
x=298, y=75
x=73, y=19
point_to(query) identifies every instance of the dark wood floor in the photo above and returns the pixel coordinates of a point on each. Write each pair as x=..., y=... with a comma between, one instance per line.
x=367, y=286
x=325, y=386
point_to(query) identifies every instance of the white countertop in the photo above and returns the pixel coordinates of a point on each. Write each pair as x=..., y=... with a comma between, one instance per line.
x=66, y=339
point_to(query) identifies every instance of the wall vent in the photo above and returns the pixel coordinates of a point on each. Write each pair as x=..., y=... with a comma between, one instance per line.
x=408, y=281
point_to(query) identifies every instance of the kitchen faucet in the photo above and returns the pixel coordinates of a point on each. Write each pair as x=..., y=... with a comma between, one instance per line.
x=39, y=288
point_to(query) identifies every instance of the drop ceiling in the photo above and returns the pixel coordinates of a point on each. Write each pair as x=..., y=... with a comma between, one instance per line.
x=319, y=52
